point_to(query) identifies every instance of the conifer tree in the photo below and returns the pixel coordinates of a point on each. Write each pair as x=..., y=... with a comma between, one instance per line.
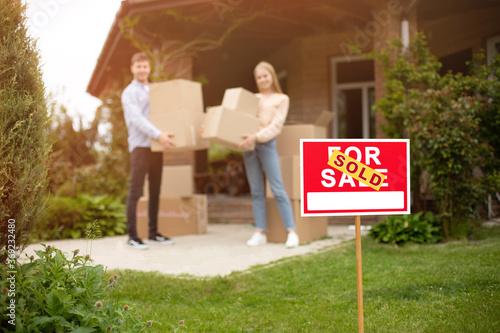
x=24, y=143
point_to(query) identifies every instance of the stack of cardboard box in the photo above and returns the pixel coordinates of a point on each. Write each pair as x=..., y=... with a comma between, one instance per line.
x=237, y=115
x=288, y=145
x=177, y=107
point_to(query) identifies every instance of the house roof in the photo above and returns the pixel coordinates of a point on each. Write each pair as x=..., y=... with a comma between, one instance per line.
x=115, y=40
x=287, y=20
x=278, y=23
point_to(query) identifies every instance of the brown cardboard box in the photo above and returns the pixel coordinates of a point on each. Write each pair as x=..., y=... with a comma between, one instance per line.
x=308, y=228
x=241, y=100
x=175, y=95
x=288, y=142
x=290, y=173
x=185, y=125
x=225, y=126
x=176, y=181
x=176, y=216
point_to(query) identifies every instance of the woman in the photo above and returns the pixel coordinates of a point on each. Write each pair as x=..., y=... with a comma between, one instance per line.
x=273, y=109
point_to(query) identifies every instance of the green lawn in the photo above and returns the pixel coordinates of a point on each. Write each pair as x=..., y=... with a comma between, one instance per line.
x=452, y=287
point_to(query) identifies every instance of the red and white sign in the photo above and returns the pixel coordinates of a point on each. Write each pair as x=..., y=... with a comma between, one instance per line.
x=328, y=191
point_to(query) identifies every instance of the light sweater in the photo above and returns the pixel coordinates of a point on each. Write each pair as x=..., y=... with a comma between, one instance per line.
x=272, y=113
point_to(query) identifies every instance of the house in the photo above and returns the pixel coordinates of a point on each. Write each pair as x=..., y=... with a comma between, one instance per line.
x=220, y=41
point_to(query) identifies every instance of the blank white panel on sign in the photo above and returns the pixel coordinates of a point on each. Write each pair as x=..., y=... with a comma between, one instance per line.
x=320, y=201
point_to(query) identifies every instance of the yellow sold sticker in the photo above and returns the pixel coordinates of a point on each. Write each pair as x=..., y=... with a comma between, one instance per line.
x=356, y=170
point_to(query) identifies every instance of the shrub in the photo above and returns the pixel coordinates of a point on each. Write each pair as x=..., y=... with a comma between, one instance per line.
x=24, y=145
x=55, y=293
x=109, y=176
x=86, y=161
x=417, y=228
x=68, y=217
x=60, y=215
x=452, y=122
x=109, y=212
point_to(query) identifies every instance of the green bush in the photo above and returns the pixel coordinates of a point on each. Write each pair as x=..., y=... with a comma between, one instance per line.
x=109, y=176
x=109, y=212
x=414, y=228
x=54, y=293
x=60, y=215
x=24, y=144
x=452, y=122
x=86, y=160
x=68, y=217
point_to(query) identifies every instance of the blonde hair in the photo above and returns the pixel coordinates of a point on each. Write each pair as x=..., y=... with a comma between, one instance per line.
x=268, y=67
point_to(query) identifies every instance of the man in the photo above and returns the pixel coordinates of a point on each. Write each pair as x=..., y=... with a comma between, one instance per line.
x=135, y=102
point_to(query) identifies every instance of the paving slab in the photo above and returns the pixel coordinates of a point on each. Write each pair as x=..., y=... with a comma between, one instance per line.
x=220, y=251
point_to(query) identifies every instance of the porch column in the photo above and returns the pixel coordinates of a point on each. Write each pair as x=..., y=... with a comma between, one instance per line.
x=388, y=15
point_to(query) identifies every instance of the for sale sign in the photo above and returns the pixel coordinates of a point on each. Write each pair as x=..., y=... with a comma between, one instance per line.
x=355, y=177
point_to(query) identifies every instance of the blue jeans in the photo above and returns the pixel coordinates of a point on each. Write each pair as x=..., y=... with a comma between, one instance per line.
x=265, y=159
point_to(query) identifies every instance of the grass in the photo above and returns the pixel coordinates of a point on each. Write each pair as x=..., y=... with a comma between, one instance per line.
x=453, y=287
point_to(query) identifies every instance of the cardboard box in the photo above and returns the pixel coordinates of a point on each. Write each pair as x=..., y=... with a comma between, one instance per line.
x=176, y=181
x=288, y=142
x=185, y=125
x=290, y=173
x=308, y=228
x=225, y=126
x=241, y=100
x=175, y=95
x=176, y=216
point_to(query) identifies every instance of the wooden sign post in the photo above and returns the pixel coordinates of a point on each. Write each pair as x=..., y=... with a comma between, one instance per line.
x=359, y=273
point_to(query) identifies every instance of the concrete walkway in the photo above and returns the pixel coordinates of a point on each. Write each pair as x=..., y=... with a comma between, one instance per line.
x=220, y=251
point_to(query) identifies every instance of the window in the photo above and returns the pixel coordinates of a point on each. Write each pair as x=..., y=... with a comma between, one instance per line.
x=353, y=95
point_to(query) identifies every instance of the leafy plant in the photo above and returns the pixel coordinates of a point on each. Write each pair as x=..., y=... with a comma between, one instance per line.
x=417, y=228
x=109, y=176
x=54, y=293
x=68, y=217
x=109, y=212
x=452, y=122
x=60, y=214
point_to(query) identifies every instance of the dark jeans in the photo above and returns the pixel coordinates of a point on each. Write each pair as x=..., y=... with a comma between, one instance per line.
x=143, y=161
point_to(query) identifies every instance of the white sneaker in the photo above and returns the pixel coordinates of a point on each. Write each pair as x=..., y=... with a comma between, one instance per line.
x=257, y=239
x=292, y=240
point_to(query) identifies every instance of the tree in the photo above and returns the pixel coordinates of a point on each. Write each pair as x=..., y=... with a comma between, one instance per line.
x=24, y=143
x=91, y=160
x=149, y=37
x=450, y=120
x=71, y=149
x=113, y=160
